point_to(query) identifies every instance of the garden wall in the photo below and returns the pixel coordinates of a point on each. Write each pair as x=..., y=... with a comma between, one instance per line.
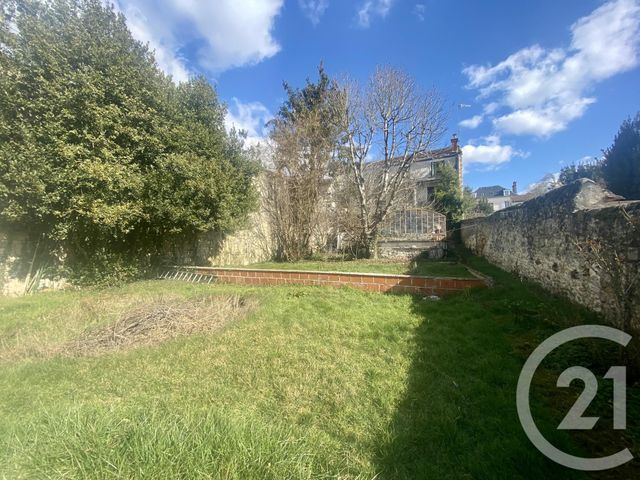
x=248, y=245
x=579, y=241
x=407, y=249
x=16, y=255
x=251, y=244
x=373, y=282
x=14, y=248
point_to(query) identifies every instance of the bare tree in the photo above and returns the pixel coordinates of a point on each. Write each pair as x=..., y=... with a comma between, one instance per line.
x=303, y=141
x=395, y=120
x=297, y=184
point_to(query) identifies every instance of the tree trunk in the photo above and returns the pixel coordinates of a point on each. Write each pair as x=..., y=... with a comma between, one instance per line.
x=372, y=244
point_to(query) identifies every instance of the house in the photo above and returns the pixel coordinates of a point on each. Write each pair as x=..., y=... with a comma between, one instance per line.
x=500, y=197
x=424, y=171
x=414, y=227
x=422, y=178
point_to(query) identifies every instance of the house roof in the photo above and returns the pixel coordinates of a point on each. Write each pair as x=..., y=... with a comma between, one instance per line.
x=493, y=191
x=438, y=153
x=445, y=152
x=523, y=197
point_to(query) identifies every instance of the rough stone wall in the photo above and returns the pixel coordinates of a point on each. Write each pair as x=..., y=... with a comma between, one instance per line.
x=406, y=249
x=579, y=241
x=250, y=244
x=16, y=255
x=14, y=247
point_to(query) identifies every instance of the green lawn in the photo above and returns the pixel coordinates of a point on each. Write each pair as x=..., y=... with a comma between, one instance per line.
x=431, y=268
x=312, y=383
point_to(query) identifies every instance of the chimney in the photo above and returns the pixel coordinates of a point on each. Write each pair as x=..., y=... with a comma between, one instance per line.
x=514, y=188
x=454, y=142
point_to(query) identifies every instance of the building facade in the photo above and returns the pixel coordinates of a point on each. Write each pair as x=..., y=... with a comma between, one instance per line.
x=500, y=197
x=424, y=171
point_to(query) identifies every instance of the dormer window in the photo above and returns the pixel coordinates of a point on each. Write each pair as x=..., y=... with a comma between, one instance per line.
x=506, y=193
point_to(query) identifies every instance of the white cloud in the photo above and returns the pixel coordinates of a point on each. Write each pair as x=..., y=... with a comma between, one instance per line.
x=419, y=11
x=473, y=122
x=225, y=33
x=313, y=9
x=543, y=121
x=490, y=107
x=371, y=8
x=547, y=89
x=167, y=57
x=250, y=117
x=490, y=153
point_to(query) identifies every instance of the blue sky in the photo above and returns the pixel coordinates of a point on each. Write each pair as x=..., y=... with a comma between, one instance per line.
x=530, y=86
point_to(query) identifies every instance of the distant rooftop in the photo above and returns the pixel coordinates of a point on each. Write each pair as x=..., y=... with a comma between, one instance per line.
x=493, y=191
x=522, y=197
x=446, y=152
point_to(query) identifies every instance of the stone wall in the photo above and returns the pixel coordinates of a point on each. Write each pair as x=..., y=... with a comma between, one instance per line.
x=14, y=248
x=251, y=243
x=17, y=253
x=407, y=249
x=579, y=241
x=247, y=245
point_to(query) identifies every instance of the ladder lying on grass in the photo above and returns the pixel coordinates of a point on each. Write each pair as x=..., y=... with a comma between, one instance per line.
x=187, y=276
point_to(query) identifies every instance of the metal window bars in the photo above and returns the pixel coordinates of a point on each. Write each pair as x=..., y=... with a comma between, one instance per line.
x=414, y=224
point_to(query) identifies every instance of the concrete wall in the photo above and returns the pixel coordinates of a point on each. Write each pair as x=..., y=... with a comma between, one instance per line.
x=578, y=240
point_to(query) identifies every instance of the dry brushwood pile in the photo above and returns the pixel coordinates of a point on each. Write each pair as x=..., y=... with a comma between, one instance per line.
x=151, y=323
x=108, y=323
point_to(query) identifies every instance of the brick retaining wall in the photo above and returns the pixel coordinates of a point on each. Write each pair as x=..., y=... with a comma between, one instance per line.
x=372, y=282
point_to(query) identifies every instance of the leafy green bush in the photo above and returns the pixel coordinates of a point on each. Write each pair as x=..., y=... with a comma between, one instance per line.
x=107, y=268
x=101, y=154
x=591, y=170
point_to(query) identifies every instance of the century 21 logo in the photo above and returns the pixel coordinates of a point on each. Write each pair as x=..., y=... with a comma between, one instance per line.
x=574, y=419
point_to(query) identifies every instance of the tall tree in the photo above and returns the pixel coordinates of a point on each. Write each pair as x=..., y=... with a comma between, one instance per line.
x=449, y=198
x=303, y=137
x=101, y=155
x=621, y=168
x=391, y=118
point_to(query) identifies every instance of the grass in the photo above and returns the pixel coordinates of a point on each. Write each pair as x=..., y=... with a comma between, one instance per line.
x=312, y=383
x=425, y=267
